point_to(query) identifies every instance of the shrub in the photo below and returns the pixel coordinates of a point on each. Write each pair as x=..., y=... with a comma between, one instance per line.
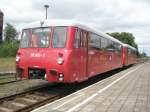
x=9, y=49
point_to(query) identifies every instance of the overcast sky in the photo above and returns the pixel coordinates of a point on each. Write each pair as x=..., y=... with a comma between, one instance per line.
x=107, y=15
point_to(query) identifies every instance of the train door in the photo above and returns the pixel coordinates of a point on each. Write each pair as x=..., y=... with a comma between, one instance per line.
x=125, y=56
x=80, y=54
x=83, y=54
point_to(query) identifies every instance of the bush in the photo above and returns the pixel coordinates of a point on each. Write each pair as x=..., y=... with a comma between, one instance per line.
x=9, y=49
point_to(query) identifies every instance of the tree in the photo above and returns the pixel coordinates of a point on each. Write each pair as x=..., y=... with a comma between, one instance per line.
x=143, y=54
x=1, y=26
x=10, y=33
x=125, y=37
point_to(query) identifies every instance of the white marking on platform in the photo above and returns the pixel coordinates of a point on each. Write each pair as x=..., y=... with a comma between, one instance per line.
x=101, y=90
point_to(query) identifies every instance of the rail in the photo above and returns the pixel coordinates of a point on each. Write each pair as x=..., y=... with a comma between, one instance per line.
x=28, y=100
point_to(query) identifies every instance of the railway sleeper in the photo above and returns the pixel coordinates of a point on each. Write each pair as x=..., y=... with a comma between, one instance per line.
x=12, y=105
x=4, y=109
x=35, y=97
x=24, y=101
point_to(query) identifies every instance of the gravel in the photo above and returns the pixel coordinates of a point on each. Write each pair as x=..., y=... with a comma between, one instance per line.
x=17, y=87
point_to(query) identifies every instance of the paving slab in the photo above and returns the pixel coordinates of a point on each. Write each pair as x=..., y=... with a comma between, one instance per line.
x=126, y=91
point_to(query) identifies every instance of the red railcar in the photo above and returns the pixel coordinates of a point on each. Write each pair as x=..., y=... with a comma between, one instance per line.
x=65, y=51
x=129, y=54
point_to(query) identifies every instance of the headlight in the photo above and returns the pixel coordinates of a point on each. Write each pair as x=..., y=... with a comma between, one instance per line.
x=17, y=58
x=60, y=61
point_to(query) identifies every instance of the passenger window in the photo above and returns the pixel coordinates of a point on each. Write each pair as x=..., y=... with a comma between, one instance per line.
x=85, y=39
x=76, y=42
x=117, y=47
x=103, y=43
x=94, y=41
x=129, y=51
x=81, y=39
x=110, y=46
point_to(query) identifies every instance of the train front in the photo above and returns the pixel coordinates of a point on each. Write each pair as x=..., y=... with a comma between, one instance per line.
x=42, y=54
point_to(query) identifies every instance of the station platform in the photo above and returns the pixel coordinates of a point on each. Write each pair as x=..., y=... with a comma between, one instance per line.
x=126, y=91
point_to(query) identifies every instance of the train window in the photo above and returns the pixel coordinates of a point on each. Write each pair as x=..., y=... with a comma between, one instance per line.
x=40, y=37
x=76, y=42
x=94, y=41
x=117, y=47
x=110, y=45
x=81, y=39
x=59, y=37
x=129, y=51
x=104, y=43
x=25, y=39
x=85, y=38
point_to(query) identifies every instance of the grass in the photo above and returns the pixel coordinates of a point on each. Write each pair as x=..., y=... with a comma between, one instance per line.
x=7, y=63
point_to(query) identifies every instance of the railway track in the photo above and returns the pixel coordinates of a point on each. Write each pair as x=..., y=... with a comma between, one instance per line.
x=3, y=83
x=26, y=101
x=8, y=78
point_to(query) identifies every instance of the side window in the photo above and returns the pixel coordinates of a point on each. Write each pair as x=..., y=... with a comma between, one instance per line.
x=76, y=42
x=85, y=39
x=118, y=47
x=81, y=38
x=110, y=45
x=103, y=43
x=25, y=39
x=129, y=51
x=94, y=41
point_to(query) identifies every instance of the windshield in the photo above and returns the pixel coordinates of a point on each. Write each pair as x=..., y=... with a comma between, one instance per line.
x=59, y=37
x=39, y=37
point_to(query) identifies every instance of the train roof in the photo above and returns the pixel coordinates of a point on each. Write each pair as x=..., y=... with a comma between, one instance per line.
x=126, y=45
x=60, y=22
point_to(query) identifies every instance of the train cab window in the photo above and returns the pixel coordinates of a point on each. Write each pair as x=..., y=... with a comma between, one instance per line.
x=77, y=37
x=59, y=37
x=40, y=37
x=25, y=39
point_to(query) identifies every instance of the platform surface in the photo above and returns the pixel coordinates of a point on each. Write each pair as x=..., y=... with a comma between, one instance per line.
x=126, y=91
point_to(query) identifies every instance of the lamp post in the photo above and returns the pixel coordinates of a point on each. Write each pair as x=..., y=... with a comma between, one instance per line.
x=46, y=7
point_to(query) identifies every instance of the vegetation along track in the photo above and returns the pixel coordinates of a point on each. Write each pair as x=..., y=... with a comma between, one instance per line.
x=26, y=101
